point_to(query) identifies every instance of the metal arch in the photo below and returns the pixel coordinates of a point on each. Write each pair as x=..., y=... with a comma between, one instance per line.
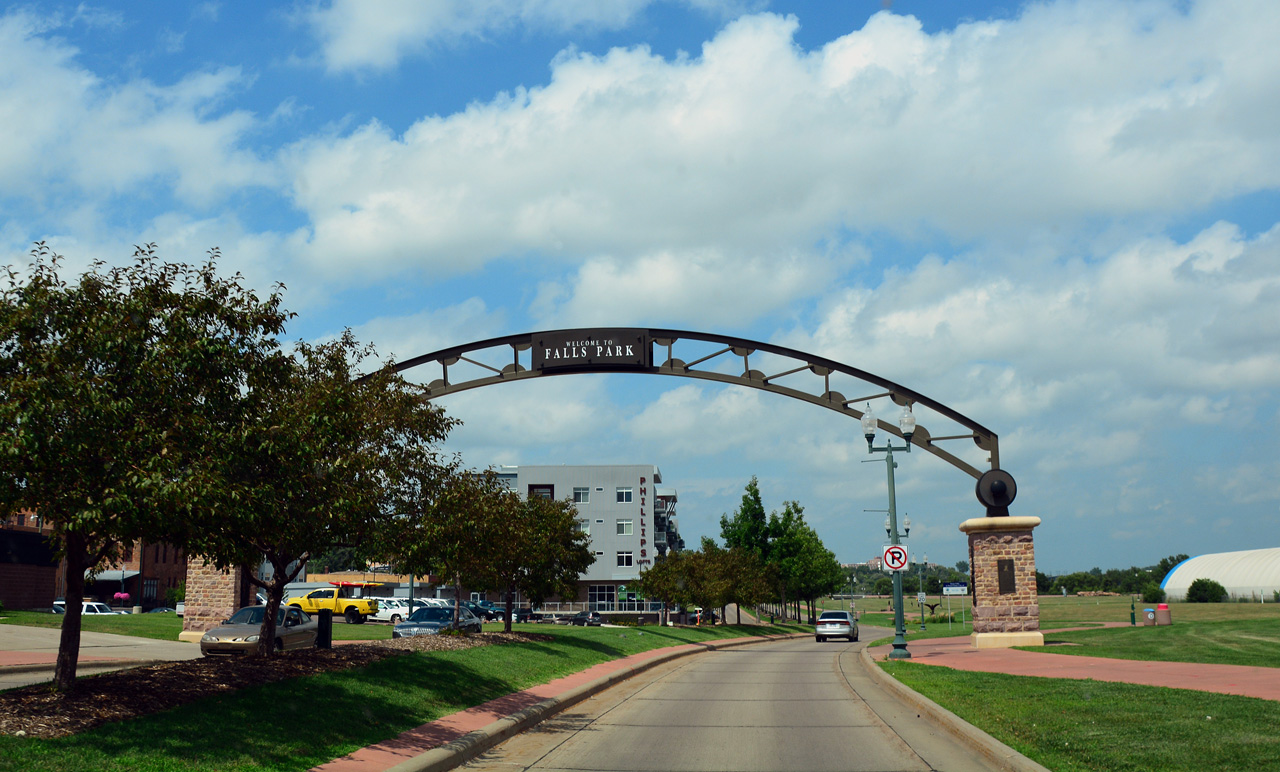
x=656, y=338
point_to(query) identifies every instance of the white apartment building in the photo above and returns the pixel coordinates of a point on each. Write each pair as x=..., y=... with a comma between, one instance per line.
x=629, y=517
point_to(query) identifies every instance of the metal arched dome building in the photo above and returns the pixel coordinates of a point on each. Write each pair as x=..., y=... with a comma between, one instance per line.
x=1244, y=574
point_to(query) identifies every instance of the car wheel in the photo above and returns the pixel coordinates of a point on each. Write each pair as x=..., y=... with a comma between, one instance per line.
x=821, y=639
x=853, y=638
x=395, y=619
x=352, y=616
x=279, y=644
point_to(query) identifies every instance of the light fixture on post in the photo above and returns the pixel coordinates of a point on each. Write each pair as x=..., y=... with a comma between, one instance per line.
x=907, y=425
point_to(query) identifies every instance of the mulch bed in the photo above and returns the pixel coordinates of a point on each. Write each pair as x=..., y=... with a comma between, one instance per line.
x=39, y=711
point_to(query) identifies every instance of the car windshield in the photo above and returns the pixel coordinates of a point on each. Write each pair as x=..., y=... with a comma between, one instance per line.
x=253, y=615
x=834, y=616
x=432, y=614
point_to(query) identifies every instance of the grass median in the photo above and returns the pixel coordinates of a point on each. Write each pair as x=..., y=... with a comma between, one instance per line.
x=297, y=724
x=1070, y=725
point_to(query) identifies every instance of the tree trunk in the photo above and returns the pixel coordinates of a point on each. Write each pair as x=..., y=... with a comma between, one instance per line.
x=64, y=672
x=511, y=594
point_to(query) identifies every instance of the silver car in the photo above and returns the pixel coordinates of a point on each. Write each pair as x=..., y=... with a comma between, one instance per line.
x=836, y=624
x=295, y=629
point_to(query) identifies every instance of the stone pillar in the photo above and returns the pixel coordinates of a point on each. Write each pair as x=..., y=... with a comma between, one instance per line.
x=1002, y=558
x=212, y=596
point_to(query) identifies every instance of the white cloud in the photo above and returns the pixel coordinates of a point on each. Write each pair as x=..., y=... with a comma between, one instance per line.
x=992, y=130
x=77, y=133
x=356, y=35
x=706, y=287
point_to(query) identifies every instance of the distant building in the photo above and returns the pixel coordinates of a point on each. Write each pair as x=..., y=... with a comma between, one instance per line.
x=631, y=521
x=32, y=577
x=1243, y=574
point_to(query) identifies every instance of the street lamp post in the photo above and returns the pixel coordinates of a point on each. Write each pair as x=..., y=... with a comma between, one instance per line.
x=907, y=423
x=923, y=563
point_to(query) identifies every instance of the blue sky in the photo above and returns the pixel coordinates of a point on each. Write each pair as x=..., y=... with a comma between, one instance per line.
x=1058, y=218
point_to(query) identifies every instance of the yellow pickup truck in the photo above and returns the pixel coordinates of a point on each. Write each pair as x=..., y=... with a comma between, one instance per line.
x=337, y=599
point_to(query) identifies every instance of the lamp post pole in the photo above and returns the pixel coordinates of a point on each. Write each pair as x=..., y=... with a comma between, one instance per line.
x=907, y=425
x=923, y=563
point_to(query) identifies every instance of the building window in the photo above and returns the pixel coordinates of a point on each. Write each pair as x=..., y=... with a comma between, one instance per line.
x=624, y=559
x=601, y=596
x=584, y=525
x=625, y=527
x=542, y=492
x=581, y=495
x=624, y=495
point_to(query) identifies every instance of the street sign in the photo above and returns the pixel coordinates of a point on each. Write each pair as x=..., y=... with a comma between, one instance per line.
x=955, y=588
x=895, y=557
x=921, y=598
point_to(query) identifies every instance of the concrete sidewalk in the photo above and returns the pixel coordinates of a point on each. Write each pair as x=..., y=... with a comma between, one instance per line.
x=28, y=654
x=959, y=654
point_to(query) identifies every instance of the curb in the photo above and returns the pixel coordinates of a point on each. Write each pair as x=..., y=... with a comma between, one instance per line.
x=957, y=727
x=467, y=747
x=96, y=665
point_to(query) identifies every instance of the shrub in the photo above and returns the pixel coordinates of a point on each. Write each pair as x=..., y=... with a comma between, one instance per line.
x=1153, y=593
x=1206, y=591
x=175, y=595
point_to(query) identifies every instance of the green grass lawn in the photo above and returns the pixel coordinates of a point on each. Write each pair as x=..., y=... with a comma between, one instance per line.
x=1069, y=725
x=294, y=725
x=1254, y=642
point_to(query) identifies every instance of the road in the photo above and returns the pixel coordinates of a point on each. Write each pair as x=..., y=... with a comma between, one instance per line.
x=795, y=705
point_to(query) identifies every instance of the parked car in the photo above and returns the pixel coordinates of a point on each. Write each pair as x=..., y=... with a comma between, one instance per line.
x=295, y=629
x=160, y=610
x=702, y=616
x=89, y=608
x=432, y=620
x=524, y=615
x=585, y=618
x=393, y=610
x=480, y=612
x=836, y=624
x=180, y=608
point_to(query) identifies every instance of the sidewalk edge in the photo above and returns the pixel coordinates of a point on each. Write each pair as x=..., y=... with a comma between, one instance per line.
x=971, y=735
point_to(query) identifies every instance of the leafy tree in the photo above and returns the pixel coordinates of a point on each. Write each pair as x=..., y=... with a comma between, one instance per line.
x=328, y=460
x=962, y=566
x=749, y=527
x=530, y=545
x=436, y=533
x=1153, y=593
x=1166, y=565
x=1204, y=590
x=668, y=580
x=115, y=392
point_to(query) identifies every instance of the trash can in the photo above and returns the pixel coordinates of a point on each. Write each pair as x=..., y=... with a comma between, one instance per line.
x=1148, y=617
x=1163, y=617
x=324, y=629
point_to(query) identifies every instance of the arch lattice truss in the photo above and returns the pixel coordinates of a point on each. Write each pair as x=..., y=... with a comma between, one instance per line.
x=707, y=356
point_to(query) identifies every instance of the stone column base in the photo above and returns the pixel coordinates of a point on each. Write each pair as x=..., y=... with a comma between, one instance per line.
x=1006, y=640
x=191, y=636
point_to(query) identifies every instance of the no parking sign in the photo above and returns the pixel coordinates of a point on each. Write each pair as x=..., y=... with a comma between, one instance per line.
x=895, y=557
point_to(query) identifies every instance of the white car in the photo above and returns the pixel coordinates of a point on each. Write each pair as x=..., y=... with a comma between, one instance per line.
x=89, y=607
x=393, y=610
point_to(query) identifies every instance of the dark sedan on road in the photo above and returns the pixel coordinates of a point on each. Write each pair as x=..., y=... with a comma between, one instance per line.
x=585, y=618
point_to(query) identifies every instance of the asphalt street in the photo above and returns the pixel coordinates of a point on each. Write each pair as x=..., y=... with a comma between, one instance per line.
x=794, y=705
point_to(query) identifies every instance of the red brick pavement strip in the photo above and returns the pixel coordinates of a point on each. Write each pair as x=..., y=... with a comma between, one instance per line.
x=516, y=711
x=957, y=653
